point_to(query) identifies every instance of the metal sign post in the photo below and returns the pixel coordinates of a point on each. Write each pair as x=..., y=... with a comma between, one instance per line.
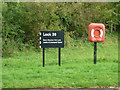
x=59, y=57
x=95, y=52
x=43, y=57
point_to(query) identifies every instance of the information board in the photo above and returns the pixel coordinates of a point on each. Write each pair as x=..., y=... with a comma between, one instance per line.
x=51, y=39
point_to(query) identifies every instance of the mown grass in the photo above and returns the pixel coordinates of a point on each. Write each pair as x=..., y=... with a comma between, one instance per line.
x=25, y=70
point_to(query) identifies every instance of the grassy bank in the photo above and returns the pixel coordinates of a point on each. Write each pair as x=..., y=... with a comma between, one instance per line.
x=25, y=69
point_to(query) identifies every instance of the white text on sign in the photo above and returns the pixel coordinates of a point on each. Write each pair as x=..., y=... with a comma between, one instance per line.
x=49, y=34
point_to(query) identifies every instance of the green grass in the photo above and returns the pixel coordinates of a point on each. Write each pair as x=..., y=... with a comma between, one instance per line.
x=25, y=70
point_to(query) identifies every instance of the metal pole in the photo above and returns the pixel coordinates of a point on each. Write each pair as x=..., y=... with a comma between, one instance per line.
x=59, y=56
x=43, y=57
x=95, y=52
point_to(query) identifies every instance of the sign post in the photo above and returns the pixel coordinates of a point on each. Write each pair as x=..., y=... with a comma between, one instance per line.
x=59, y=57
x=95, y=52
x=43, y=57
x=52, y=39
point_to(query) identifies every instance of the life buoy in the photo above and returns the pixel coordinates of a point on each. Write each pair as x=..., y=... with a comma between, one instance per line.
x=92, y=33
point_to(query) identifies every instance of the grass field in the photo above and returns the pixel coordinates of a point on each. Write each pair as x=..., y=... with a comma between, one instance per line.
x=25, y=70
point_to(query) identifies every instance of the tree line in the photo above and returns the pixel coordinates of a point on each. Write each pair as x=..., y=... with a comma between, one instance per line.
x=22, y=21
